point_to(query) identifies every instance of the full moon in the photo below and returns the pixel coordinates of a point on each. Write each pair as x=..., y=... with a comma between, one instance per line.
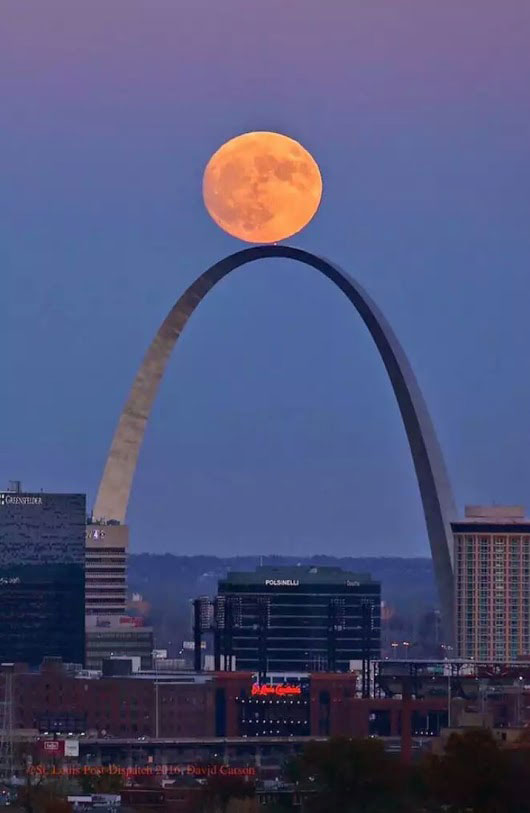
x=262, y=187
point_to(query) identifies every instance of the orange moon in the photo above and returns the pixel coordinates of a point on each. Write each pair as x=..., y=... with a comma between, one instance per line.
x=262, y=187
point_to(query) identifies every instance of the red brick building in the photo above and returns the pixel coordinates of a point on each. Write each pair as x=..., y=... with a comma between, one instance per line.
x=133, y=706
x=188, y=705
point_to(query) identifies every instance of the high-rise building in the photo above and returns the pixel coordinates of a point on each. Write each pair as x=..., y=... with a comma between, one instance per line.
x=300, y=619
x=492, y=583
x=117, y=636
x=106, y=569
x=42, y=577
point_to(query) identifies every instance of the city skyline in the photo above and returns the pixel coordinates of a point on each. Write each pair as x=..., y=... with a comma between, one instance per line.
x=425, y=201
x=269, y=546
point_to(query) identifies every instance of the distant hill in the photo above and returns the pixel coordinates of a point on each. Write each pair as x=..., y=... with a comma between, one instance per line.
x=168, y=583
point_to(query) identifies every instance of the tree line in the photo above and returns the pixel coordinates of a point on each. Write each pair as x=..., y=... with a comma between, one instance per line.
x=473, y=774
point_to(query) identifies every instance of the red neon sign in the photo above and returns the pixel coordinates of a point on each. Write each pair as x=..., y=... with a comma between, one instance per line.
x=278, y=691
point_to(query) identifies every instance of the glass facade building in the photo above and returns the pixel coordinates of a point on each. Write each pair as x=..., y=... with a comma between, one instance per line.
x=42, y=577
x=298, y=619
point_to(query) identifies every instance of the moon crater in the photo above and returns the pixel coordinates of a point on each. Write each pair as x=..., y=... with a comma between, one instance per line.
x=262, y=187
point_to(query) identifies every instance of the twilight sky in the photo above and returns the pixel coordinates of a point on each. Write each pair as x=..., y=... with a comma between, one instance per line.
x=276, y=429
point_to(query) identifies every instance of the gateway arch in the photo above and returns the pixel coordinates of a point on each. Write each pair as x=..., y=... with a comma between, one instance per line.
x=438, y=505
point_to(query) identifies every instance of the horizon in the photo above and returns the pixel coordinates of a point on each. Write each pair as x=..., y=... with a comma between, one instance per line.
x=270, y=556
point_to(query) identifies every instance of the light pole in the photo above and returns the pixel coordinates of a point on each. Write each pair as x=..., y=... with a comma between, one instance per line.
x=156, y=698
x=449, y=697
x=519, y=699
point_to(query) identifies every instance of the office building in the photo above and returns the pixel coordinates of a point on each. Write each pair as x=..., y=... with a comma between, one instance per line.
x=297, y=619
x=117, y=636
x=106, y=569
x=492, y=583
x=42, y=578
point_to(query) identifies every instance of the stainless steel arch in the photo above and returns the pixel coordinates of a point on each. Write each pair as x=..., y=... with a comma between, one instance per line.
x=435, y=490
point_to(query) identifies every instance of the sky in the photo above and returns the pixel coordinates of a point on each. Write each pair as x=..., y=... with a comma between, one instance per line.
x=276, y=429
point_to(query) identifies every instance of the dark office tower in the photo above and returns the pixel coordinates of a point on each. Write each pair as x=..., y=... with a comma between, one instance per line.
x=42, y=577
x=299, y=619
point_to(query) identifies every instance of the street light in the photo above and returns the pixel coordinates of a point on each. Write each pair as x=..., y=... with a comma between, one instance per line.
x=519, y=698
x=156, y=698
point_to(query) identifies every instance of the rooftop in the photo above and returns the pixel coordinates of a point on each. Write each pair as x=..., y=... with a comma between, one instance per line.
x=303, y=574
x=495, y=511
x=493, y=515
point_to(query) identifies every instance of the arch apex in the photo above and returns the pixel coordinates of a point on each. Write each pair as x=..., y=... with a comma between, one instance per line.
x=435, y=491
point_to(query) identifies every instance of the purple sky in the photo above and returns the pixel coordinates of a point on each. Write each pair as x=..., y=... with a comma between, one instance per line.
x=276, y=428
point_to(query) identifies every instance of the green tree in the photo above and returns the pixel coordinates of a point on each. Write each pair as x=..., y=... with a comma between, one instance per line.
x=102, y=783
x=57, y=805
x=48, y=796
x=218, y=791
x=350, y=776
x=475, y=774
